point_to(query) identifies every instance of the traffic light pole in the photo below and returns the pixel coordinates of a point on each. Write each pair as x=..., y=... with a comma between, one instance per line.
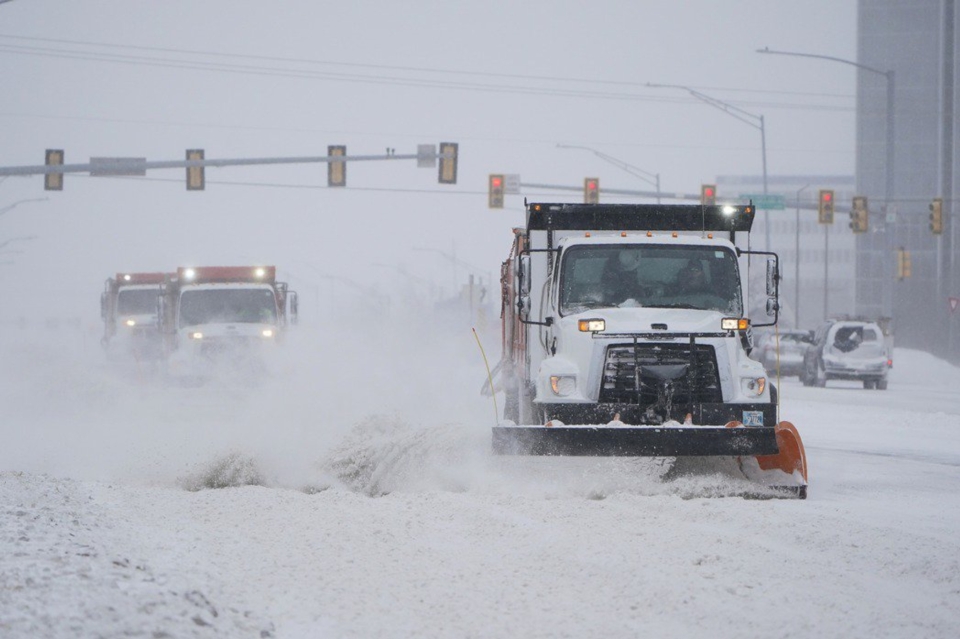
x=112, y=166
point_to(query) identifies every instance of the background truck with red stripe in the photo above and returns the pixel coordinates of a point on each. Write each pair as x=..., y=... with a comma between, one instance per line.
x=128, y=307
x=231, y=315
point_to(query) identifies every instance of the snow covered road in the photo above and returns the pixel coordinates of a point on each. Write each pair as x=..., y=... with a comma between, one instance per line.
x=397, y=527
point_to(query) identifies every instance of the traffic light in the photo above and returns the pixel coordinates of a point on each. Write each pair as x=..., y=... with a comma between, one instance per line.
x=859, y=215
x=495, y=192
x=448, y=165
x=336, y=169
x=708, y=194
x=196, y=178
x=826, y=206
x=936, y=216
x=903, y=263
x=53, y=181
x=591, y=190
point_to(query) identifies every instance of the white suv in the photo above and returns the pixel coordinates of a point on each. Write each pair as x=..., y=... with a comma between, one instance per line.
x=847, y=349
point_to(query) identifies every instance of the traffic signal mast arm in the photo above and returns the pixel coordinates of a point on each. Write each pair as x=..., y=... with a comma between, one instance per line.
x=426, y=157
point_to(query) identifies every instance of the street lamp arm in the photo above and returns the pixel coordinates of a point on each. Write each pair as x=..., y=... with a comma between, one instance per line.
x=629, y=168
x=729, y=109
x=825, y=57
x=10, y=207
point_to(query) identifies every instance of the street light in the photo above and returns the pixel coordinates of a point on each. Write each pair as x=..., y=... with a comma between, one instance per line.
x=629, y=168
x=888, y=187
x=756, y=121
x=10, y=207
x=890, y=151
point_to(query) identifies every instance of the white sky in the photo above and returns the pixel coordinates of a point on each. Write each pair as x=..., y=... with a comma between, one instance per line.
x=603, y=53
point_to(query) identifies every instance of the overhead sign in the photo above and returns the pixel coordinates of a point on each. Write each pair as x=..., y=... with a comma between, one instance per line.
x=118, y=166
x=511, y=183
x=773, y=201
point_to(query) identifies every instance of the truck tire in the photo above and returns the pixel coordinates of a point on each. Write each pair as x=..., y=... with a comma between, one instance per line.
x=819, y=376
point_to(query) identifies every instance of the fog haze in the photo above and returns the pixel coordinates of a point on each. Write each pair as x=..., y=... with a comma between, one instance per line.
x=507, y=81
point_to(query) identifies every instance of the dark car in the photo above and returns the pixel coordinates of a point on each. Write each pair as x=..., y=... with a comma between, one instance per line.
x=793, y=343
x=847, y=349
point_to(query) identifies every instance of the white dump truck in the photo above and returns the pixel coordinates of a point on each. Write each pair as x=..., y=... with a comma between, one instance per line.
x=128, y=307
x=215, y=315
x=626, y=333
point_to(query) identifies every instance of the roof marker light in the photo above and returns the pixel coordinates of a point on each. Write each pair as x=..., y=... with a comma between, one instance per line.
x=126, y=278
x=189, y=273
x=587, y=234
x=649, y=233
x=674, y=234
x=623, y=233
x=260, y=272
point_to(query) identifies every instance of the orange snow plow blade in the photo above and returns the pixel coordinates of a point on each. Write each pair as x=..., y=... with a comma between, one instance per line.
x=791, y=456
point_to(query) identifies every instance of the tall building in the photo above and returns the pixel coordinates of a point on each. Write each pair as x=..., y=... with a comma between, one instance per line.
x=907, y=109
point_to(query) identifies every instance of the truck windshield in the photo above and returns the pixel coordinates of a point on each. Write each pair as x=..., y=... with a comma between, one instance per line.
x=142, y=301
x=209, y=306
x=650, y=275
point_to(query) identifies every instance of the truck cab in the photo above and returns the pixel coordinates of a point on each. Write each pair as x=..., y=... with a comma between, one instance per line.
x=128, y=308
x=635, y=315
x=223, y=314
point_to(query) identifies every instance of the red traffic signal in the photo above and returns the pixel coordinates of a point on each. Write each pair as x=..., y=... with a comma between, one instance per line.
x=825, y=207
x=708, y=194
x=591, y=190
x=495, y=191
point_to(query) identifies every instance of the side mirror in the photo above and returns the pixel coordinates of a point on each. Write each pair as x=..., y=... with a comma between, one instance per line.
x=772, y=276
x=524, y=274
x=103, y=306
x=523, y=306
x=294, y=306
x=772, y=306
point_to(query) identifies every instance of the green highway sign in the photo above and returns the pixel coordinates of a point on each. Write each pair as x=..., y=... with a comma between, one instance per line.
x=771, y=201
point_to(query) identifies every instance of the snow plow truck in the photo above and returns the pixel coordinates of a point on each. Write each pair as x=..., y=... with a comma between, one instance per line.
x=626, y=333
x=214, y=316
x=128, y=307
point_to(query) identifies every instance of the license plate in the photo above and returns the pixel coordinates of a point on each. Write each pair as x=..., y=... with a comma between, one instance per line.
x=753, y=418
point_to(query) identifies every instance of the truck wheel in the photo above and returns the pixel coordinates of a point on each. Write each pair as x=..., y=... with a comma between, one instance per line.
x=881, y=384
x=819, y=376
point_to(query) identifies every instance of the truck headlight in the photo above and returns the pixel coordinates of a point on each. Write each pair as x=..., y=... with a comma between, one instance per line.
x=591, y=325
x=131, y=322
x=563, y=385
x=196, y=335
x=753, y=386
x=267, y=332
x=734, y=324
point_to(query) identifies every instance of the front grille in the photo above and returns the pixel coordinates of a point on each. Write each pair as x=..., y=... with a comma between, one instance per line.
x=687, y=371
x=227, y=346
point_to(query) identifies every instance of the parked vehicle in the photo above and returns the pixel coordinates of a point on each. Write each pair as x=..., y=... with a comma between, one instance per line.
x=792, y=343
x=847, y=349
